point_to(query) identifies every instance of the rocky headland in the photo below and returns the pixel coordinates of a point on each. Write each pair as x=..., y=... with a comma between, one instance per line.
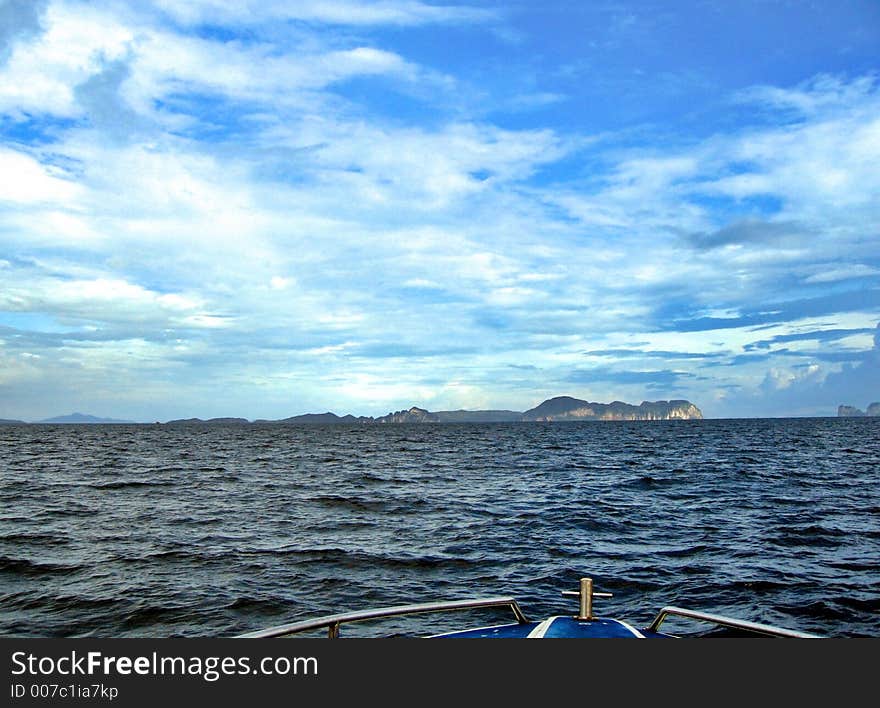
x=853, y=412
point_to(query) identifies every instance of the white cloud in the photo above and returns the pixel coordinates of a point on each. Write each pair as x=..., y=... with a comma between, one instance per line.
x=106, y=300
x=832, y=275
x=40, y=75
x=779, y=379
x=278, y=282
x=827, y=164
x=24, y=180
x=640, y=194
x=82, y=40
x=422, y=283
x=533, y=101
x=341, y=12
x=164, y=63
x=374, y=390
x=819, y=166
x=819, y=95
x=394, y=167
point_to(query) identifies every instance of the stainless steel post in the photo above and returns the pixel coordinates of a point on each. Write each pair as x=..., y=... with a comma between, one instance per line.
x=586, y=599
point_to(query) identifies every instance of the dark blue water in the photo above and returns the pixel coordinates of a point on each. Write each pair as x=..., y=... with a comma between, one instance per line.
x=211, y=531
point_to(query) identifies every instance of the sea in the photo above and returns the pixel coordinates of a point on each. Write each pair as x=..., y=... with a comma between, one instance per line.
x=213, y=531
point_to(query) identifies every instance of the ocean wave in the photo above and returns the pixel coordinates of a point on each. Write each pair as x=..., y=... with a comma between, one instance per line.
x=25, y=567
x=127, y=483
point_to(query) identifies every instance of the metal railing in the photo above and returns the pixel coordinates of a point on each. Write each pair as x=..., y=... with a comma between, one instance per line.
x=745, y=625
x=333, y=622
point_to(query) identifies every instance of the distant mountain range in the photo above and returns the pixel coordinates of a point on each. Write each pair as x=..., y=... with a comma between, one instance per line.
x=852, y=412
x=560, y=408
x=81, y=418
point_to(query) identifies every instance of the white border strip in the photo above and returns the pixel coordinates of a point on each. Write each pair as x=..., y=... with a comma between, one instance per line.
x=539, y=631
x=632, y=629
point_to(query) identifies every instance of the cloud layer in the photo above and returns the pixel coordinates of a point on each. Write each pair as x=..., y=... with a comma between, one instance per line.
x=264, y=209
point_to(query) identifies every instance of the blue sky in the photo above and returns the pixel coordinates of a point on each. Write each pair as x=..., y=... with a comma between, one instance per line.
x=262, y=209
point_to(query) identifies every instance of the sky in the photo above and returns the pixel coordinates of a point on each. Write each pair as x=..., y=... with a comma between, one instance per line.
x=263, y=208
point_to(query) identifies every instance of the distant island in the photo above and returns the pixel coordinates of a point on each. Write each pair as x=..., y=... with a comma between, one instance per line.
x=214, y=421
x=567, y=408
x=558, y=409
x=852, y=412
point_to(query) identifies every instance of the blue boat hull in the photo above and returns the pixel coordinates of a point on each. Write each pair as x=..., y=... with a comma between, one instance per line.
x=556, y=628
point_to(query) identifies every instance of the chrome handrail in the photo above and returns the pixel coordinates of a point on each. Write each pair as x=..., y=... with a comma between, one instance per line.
x=724, y=621
x=332, y=622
